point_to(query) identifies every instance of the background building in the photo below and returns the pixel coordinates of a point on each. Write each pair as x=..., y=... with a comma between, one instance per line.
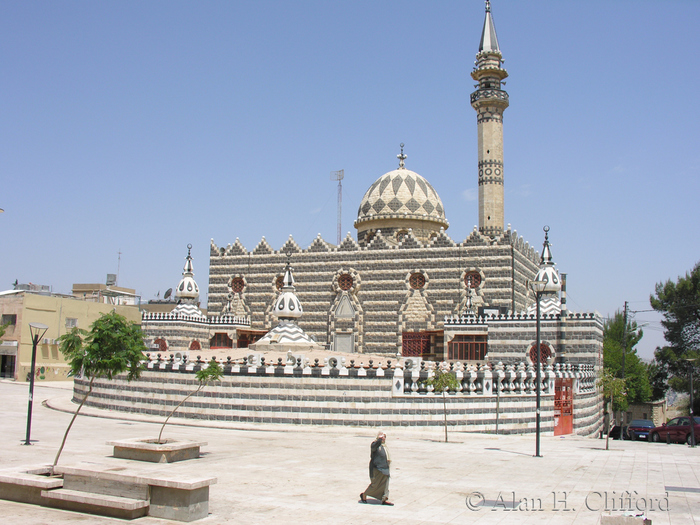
x=60, y=313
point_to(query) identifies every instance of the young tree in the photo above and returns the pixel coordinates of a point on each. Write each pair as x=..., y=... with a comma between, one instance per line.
x=615, y=335
x=679, y=302
x=111, y=347
x=443, y=381
x=612, y=388
x=212, y=372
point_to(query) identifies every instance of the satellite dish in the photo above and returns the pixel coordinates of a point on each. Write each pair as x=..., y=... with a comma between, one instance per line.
x=168, y=293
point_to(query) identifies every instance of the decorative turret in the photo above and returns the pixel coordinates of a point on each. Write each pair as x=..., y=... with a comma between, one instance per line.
x=187, y=291
x=287, y=305
x=490, y=101
x=287, y=335
x=550, y=302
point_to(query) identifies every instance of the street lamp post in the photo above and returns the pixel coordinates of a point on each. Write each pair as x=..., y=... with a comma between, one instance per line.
x=692, y=417
x=538, y=287
x=37, y=331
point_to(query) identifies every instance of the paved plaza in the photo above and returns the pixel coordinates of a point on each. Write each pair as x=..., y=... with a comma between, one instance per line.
x=291, y=474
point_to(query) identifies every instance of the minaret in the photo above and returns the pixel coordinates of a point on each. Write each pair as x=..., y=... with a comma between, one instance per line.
x=489, y=101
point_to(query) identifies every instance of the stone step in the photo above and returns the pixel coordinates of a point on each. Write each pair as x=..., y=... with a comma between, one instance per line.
x=80, y=499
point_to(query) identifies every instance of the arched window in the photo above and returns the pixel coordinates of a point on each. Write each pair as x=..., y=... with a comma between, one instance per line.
x=472, y=279
x=162, y=345
x=545, y=353
x=237, y=284
x=416, y=281
x=194, y=345
x=345, y=281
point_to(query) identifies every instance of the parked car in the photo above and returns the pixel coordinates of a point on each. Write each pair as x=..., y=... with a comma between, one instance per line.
x=677, y=430
x=639, y=429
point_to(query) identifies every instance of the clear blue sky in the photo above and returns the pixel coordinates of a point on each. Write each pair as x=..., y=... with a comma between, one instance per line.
x=142, y=126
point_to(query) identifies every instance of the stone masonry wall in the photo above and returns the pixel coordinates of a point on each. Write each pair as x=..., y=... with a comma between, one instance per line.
x=388, y=305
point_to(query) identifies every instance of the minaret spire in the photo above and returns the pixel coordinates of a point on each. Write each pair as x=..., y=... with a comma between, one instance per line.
x=489, y=40
x=490, y=101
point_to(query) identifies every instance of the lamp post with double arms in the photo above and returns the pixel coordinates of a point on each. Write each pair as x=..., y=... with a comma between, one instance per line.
x=538, y=287
x=37, y=331
x=691, y=363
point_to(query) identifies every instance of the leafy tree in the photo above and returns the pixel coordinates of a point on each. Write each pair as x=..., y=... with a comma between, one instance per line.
x=111, y=347
x=3, y=328
x=657, y=373
x=443, y=381
x=212, y=372
x=638, y=389
x=613, y=388
x=679, y=302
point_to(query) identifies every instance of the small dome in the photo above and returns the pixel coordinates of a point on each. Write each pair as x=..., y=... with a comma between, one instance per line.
x=187, y=290
x=549, y=275
x=550, y=302
x=287, y=305
x=401, y=193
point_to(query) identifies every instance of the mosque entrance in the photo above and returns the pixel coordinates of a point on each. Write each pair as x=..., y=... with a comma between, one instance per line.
x=563, y=406
x=247, y=337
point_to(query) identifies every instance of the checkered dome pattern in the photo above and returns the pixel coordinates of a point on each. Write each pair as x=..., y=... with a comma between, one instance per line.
x=401, y=193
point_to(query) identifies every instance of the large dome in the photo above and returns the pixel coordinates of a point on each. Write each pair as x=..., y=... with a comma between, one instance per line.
x=401, y=194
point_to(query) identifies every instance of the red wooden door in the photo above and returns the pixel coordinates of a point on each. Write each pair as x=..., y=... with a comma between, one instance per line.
x=563, y=407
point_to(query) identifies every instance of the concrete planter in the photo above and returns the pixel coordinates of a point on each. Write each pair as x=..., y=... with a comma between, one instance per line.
x=148, y=449
x=25, y=484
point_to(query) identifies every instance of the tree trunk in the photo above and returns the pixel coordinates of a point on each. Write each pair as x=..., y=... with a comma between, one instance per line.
x=607, y=434
x=65, y=436
x=174, y=409
x=444, y=408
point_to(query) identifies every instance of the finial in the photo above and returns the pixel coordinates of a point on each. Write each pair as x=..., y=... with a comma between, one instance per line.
x=488, y=6
x=401, y=157
x=189, y=249
x=546, y=251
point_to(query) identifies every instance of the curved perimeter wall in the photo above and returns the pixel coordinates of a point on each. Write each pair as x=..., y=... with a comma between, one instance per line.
x=376, y=397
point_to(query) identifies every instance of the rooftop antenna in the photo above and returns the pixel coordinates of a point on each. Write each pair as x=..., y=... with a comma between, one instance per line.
x=339, y=175
x=119, y=263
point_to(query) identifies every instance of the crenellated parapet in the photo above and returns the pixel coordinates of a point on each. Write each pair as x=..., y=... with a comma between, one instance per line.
x=199, y=319
x=465, y=319
x=377, y=242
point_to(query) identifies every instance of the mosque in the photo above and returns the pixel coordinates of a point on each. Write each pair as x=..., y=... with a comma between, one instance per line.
x=399, y=286
x=404, y=289
x=391, y=289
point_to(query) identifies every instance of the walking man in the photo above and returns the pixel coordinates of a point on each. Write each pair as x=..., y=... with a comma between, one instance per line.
x=378, y=471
